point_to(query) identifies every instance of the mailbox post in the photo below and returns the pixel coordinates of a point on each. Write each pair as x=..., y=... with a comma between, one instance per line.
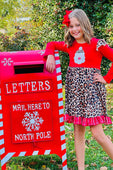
x=31, y=107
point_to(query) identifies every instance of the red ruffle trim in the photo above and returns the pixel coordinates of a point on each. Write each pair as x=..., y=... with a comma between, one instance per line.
x=87, y=121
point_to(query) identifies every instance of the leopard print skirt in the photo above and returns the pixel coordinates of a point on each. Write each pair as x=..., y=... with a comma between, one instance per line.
x=85, y=101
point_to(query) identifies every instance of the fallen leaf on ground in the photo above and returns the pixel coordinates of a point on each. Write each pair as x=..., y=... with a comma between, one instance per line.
x=30, y=168
x=104, y=127
x=72, y=151
x=74, y=159
x=87, y=141
x=111, y=165
x=103, y=168
x=69, y=132
x=8, y=167
x=66, y=138
x=9, y=161
x=105, y=158
x=52, y=161
x=92, y=138
x=59, y=166
x=33, y=163
x=93, y=164
x=67, y=127
x=109, y=137
x=86, y=166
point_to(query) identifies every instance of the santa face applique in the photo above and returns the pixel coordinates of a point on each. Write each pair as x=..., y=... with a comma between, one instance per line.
x=79, y=57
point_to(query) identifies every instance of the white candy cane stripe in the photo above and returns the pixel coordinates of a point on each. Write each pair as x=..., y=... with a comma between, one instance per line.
x=35, y=153
x=62, y=128
x=47, y=152
x=6, y=158
x=57, y=62
x=0, y=107
x=0, y=98
x=1, y=124
x=59, y=78
x=61, y=111
x=1, y=132
x=56, y=55
x=61, y=119
x=64, y=157
x=22, y=154
x=2, y=151
x=1, y=141
x=62, y=137
x=63, y=146
x=60, y=95
x=65, y=167
x=58, y=70
x=59, y=86
x=1, y=116
x=60, y=103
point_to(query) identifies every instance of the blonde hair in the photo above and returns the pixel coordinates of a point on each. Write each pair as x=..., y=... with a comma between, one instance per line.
x=85, y=24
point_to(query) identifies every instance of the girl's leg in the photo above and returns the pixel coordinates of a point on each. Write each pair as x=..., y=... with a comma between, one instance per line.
x=79, y=132
x=102, y=139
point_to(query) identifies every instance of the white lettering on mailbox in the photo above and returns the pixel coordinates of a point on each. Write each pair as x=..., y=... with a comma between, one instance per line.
x=21, y=86
x=31, y=121
x=31, y=137
x=14, y=86
x=29, y=107
x=40, y=85
x=33, y=85
x=24, y=137
x=47, y=87
x=43, y=135
x=7, y=90
x=29, y=86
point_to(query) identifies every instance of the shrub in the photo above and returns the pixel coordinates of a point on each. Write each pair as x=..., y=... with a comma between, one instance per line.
x=47, y=25
x=19, y=42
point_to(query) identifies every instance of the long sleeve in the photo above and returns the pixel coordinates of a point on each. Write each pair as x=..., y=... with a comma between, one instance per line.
x=108, y=53
x=109, y=76
x=54, y=45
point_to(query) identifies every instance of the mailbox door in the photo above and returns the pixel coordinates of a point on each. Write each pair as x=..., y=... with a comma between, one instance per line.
x=31, y=111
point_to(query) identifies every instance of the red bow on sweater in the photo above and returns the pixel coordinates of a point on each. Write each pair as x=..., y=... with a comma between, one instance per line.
x=66, y=20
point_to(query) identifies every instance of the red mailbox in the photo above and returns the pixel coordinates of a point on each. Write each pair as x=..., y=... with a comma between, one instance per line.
x=31, y=107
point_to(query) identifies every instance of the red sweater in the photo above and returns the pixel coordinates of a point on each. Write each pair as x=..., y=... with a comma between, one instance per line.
x=84, y=55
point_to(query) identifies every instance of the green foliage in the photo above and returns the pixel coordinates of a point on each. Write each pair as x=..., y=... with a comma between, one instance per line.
x=41, y=162
x=7, y=11
x=19, y=42
x=45, y=23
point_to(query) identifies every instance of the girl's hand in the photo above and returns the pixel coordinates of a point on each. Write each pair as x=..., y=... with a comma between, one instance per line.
x=99, y=78
x=50, y=63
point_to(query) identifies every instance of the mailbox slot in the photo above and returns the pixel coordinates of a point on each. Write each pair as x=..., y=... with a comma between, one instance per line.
x=23, y=69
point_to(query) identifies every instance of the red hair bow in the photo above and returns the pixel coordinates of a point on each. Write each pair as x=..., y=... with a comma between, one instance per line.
x=66, y=20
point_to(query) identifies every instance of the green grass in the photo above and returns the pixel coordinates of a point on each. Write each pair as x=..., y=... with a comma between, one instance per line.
x=95, y=157
x=40, y=162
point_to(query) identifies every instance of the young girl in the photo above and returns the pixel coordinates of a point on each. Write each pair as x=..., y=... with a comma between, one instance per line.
x=85, y=86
